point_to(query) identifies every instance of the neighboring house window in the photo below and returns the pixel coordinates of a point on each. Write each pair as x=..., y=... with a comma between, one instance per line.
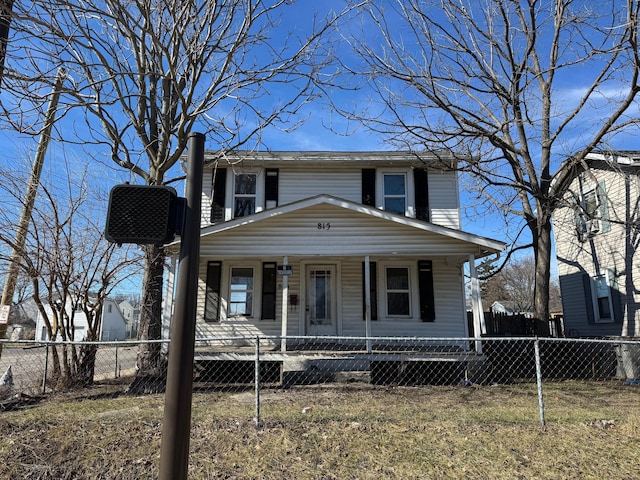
x=593, y=213
x=603, y=306
x=212, y=295
x=109, y=310
x=241, y=294
x=244, y=191
x=394, y=193
x=398, y=293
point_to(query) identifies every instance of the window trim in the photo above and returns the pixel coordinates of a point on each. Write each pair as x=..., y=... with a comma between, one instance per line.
x=409, y=291
x=255, y=288
x=409, y=189
x=231, y=191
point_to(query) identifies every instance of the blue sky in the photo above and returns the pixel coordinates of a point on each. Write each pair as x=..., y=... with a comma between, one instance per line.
x=315, y=134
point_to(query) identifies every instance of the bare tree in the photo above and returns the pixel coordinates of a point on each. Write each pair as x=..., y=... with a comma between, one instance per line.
x=70, y=265
x=523, y=88
x=147, y=73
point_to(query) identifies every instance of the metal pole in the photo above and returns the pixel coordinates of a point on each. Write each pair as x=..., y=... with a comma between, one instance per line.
x=46, y=369
x=536, y=347
x=257, y=381
x=174, y=454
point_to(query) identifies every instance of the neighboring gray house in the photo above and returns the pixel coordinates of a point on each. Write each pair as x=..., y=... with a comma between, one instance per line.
x=112, y=326
x=333, y=243
x=597, y=234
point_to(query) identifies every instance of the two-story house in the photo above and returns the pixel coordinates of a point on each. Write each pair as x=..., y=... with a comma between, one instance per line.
x=596, y=236
x=334, y=244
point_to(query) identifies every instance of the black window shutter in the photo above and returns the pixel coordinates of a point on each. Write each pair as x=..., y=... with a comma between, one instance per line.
x=373, y=279
x=425, y=281
x=421, y=189
x=369, y=186
x=219, y=194
x=269, y=284
x=212, y=296
x=271, y=187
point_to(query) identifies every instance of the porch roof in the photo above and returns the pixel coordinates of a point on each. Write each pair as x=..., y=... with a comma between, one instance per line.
x=352, y=228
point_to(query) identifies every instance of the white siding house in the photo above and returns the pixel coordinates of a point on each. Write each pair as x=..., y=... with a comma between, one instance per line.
x=597, y=237
x=286, y=239
x=113, y=326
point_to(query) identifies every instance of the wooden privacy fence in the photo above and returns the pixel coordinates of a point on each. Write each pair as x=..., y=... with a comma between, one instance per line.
x=518, y=325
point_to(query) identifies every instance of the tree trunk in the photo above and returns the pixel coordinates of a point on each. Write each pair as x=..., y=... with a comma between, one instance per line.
x=87, y=364
x=151, y=365
x=542, y=249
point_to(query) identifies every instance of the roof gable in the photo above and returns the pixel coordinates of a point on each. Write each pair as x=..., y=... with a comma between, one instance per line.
x=352, y=216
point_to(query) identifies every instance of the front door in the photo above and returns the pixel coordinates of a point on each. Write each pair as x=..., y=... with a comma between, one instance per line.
x=321, y=300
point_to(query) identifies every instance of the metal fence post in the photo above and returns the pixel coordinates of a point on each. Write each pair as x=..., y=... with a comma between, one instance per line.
x=116, y=372
x=536, y=347
x=46, y=369
x=257, y=381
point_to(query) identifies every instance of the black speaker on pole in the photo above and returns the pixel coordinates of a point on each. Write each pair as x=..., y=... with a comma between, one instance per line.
x=143, y=214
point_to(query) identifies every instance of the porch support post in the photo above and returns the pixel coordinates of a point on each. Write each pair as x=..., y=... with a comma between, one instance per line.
x=367, y=301
x=476, y=303
x=285, y=307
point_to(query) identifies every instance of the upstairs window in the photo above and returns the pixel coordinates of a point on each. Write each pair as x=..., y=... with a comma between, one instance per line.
x=394, y=193
x=244, y=202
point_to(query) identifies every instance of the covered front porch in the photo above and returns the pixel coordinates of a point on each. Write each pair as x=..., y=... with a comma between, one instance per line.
x=325, y=267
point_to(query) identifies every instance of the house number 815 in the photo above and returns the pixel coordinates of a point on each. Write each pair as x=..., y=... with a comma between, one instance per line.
x=324, y=226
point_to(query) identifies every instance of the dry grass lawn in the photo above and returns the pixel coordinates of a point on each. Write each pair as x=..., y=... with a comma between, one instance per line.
x=349, y=431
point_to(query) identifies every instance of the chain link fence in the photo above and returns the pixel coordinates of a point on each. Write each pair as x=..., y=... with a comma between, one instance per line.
x=33, y=369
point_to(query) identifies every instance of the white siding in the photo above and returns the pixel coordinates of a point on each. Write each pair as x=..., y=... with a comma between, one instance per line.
x=349, y=233
x=300, y=183
x=449, y=307
x=207, y=188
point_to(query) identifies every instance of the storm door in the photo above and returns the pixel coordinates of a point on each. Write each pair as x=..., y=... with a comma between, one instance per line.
x=321, y=300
